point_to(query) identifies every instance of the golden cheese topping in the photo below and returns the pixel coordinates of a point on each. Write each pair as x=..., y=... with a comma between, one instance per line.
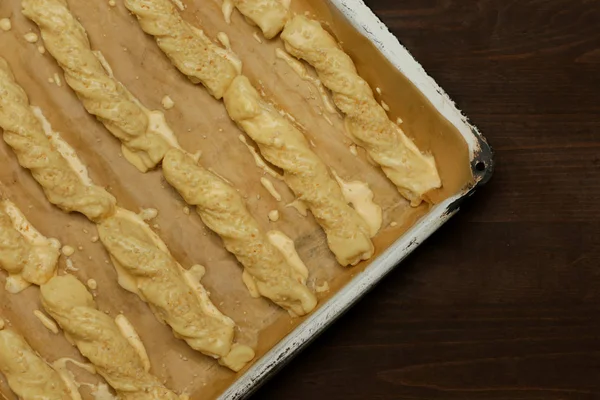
x=24, y=133
x=269, y=15
x=223, y=210
x=28, y=375
x=146, y=268
x=413, y=172
x=283, y=145
x=25, y=253
x=188, y=48
x=101, y=94
x=98, y=338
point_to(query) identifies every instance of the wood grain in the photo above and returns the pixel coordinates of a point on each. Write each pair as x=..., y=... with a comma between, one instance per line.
x=504, y=301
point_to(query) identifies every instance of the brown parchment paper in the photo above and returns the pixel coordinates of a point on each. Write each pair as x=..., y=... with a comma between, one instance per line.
x=201, y=123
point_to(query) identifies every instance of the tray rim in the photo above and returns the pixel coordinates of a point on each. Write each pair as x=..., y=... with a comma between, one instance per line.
x=481, y=155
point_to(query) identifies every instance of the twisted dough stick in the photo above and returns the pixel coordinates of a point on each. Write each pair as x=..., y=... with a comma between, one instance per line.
x=24, y=133
x=147, y=268
x=279, y=141
x=283, y=145
x=269, y=15
x=98, y=338
x=413, y=172
x=195, y=55
x=223, y=210
x=28, y=375
x=137, y=251
x=100, y=93
x=24, y=252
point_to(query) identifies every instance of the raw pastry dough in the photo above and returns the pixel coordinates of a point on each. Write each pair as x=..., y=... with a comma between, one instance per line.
x=284, y=146
x=101, y=94
x=367, y=123
x=269, y=15
x=279, y=141
x=143, y=261
x=24, y=133
x=146, y=268
x=98, y=338
x=24, y=252
x=223, y=210
x=194, y=54
x=28, y=375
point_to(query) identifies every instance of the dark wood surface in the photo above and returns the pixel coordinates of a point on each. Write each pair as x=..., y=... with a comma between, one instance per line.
x=504, y=301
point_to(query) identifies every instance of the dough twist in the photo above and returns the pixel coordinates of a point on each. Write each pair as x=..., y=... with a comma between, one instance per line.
x=269, y=15
x=24, y=133
x=194, y=54
x=98, y=338
x=279, y=141
x=33, y=258
x=101, y=94
x=284, y=146
x=413, y=172
x=223, y=210
x=28, y=375
x=146, y=268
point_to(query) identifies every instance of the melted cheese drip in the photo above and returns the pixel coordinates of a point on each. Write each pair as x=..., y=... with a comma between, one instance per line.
x=260, y=163
x=223, y=210
x=227, y=10
x=46, y=321
x=361, y=197
x=85, y=71
x=301, y=71
x=224, y=39
x=286, y=246
x=73, y=307
x=129, y=333
x=267, y=184
x=299, y=206
x=28, y=375
x=27, y=255
x=65, y=150
x=68, y=377
x=413, y=172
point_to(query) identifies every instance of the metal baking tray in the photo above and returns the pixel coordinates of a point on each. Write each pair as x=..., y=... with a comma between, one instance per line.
x=362, y=18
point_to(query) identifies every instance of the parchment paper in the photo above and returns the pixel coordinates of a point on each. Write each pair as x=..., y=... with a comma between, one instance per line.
x=201, y=123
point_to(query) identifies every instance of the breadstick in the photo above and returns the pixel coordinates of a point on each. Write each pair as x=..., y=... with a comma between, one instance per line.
x=101, y=94
x=137, y=252
x=269, y=15
x=28, y=375
x=24, y=133
x=98, y=338
x=146, y=268
x=284, y=146
x=188, y=48
x=27, y=256
x=279, y=141
x=367, y=123
x=223, y=210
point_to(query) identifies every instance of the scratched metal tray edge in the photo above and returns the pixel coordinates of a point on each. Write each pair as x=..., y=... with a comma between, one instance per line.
x=482, y=164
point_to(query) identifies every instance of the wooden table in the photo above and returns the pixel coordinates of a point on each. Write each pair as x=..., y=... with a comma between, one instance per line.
x=504, y=301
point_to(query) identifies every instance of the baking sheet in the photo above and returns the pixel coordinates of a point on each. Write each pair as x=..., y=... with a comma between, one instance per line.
x=201, y=123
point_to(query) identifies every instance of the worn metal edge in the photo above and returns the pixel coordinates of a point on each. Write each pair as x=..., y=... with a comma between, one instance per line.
x=482, y=164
